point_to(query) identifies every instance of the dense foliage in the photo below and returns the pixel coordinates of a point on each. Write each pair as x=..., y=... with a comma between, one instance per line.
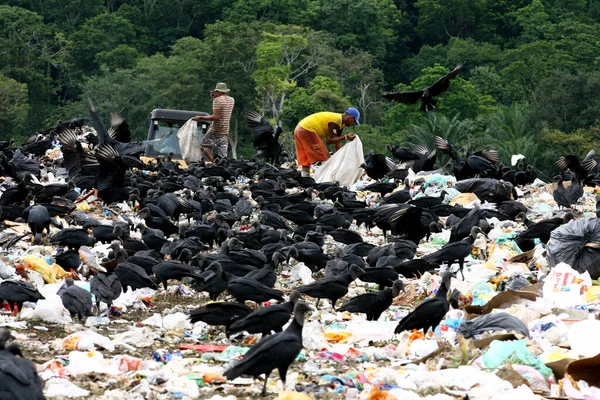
x=529, y=83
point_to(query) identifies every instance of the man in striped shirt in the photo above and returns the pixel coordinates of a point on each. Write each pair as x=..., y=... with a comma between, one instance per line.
x=217, y=138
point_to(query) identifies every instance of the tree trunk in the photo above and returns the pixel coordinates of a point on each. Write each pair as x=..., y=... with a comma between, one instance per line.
x=233, y=139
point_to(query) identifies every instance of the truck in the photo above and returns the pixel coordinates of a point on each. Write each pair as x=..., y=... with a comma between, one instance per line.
x=164, y=125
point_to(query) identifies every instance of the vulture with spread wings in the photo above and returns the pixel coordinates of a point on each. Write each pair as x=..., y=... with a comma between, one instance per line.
x=426, y=95
x=265, y=138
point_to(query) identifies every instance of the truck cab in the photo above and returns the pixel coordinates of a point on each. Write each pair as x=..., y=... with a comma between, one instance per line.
x=164, y=125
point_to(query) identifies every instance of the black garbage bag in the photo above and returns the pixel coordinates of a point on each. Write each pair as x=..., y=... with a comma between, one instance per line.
x=577, y=244
x=492, y=322
x=487, y=189
x=516, y=282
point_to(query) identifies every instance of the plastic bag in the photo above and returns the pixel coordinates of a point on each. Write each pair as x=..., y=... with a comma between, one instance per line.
x=516, y=282
x=492, y=322
x=189, y=142
x=87, y=340
x=514, y=352
x=583, y=337
x=576, y=244
x=64, y=388
x=6, y=272
x=82, y=362
x=48, y=272
x=566, y=287
x=51, y=310
x=344, y=165
x=177, y=320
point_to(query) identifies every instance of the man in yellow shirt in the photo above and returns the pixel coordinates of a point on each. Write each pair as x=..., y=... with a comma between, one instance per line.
x=314, y=131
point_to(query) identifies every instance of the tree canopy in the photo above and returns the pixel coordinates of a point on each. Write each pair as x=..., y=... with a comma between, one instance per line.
x=530, y=77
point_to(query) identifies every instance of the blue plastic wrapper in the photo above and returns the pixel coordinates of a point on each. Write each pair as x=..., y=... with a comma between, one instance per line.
x=165, y=357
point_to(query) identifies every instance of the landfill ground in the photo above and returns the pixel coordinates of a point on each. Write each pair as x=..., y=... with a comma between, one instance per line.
x=344, y=355
x=38, y=348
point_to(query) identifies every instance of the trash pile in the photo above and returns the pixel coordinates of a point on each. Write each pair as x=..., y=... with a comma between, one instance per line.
x=421, y=287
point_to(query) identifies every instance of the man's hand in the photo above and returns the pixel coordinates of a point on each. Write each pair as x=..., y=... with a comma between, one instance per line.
x=350, y=137
x=196, y=118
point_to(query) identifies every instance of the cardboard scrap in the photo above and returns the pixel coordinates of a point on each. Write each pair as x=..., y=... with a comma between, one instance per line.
x=501, y=300
x=586, y=369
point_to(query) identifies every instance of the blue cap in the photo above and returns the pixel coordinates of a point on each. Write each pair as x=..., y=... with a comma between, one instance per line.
x=355, y=114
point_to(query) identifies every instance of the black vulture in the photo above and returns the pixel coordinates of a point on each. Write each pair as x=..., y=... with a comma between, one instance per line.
x=430, y=312
x=111, y=175
x=131, y=275
x=275, y=351
x=542, y=230
x=73, y=238
x=336, y=266
x=415, y=268
x=211, y=281
x=384, y=276
x=18, y=376
x=77, y=300
x=245, y=256
x=310, y=254
x=265, y=139
x=243, y=288
x=16, y=293
x=106, y=288
x=413, y=223
x=38, y=220
x=273, y=220
x=377, y=165
x=402, y=154
x=566, y=197
x=267, y=275
x=478, y=163
x=427, y=94
x=455, y=251
x=332, y=288
x=373, y=303
x=108, y=233
x=345, y=236
x=267, y=319
x=68, y=260
x=220, y=314
x=173, y=269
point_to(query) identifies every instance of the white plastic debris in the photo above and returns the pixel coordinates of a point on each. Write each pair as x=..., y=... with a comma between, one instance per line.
x=565, y=287
x=177, y=320
x=87, y=340
x=6, y=272
x=64, y=388
x=184, y=386
x=51, y=310
x=302, y=272
x=421, y=347
x=365, y=331
x=120, y=395
x=583, y=337
x=312, y=336
x=81, y=362
x=155, y=320
x=138, y=337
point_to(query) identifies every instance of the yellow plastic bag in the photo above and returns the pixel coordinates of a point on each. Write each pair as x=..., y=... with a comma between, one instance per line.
x=83, y=206
x=287, y=395
x=464, y=198
x=48, y=272
x=337, y=337
x=593, y=294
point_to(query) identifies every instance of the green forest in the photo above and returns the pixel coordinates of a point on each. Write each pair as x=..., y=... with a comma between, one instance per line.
x=530, y=82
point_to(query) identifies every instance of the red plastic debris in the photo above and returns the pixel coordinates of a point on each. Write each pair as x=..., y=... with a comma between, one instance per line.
x=202, y=348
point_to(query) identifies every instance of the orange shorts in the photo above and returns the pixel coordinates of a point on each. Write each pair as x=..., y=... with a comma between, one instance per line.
x=309, y=147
